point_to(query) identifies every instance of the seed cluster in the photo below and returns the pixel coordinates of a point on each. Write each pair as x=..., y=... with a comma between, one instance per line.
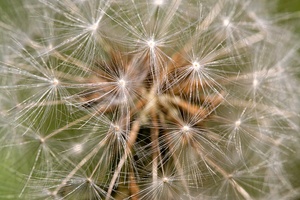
x=150, y=100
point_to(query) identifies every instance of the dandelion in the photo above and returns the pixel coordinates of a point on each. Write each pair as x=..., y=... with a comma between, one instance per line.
x=155, y=99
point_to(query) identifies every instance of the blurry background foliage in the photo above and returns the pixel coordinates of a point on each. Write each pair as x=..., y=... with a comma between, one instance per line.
x=285, y=6
x=288, y=6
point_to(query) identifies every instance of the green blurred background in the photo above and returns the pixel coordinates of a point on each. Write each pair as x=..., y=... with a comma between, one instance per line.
x=289, y=5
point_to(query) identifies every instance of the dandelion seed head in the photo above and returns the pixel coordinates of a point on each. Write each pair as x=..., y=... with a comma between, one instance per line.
x=255, y=83
x=116, y=128
x=158, y=2
x=89, y=180
x=49, y=47
x=77, y=148
x=151, y=43
x=226, y=22
x=237, y=123
x=94, y=27
x=196, y=66
x=186, y=128
x=230, y=176
x=165, y=180
x=151, y=90
x=122, y=83
x=42, y=140
x=55, y=82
